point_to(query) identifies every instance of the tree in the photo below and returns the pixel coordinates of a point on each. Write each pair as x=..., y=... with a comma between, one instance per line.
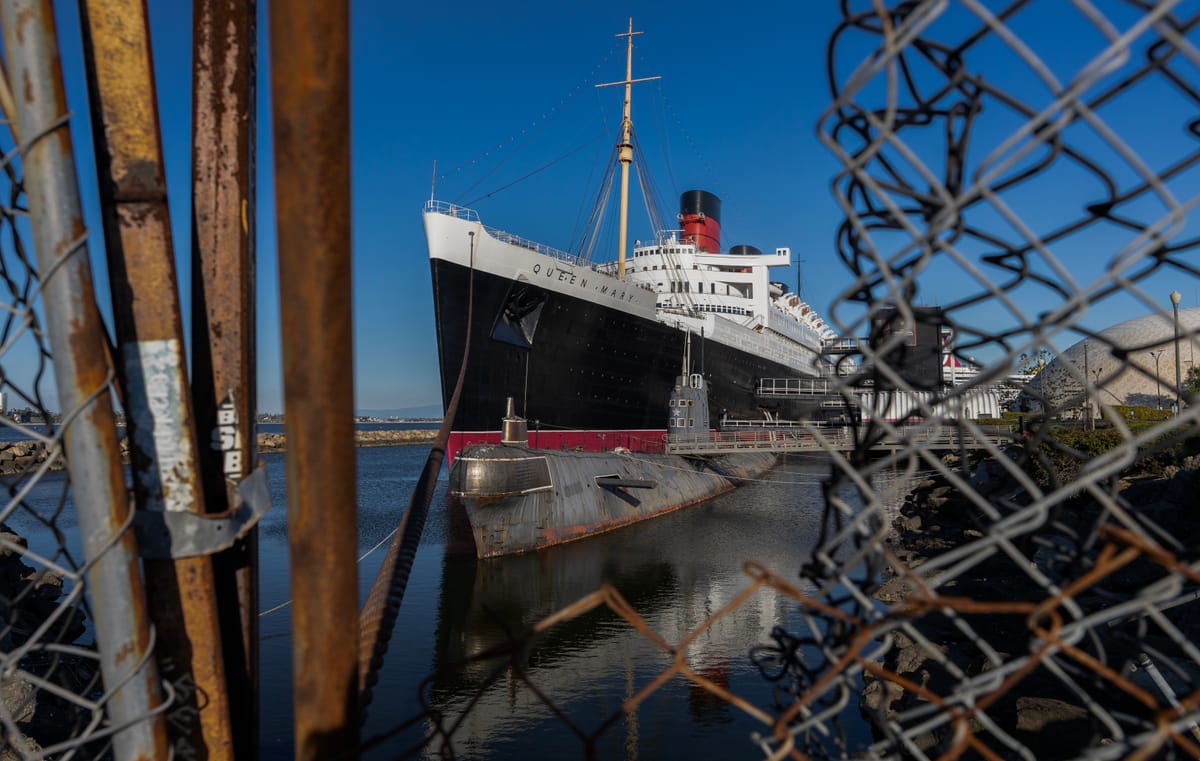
x=1191, y=381
x=1032, y=364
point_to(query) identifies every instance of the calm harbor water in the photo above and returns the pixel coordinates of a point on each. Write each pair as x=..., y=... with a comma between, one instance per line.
x=675, y=571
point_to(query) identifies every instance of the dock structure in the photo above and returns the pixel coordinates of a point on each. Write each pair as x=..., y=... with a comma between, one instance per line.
x=829, y=399
x=791, y=387
x=822, y=392
x=786, y=436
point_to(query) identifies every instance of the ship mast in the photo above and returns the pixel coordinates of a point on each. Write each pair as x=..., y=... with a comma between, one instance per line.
x=625, y=147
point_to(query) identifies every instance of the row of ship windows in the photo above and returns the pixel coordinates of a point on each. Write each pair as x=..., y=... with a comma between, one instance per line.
x=652, y=251
x=719, y=308
x=655, y=267
x=686, y=286
x=682, y=402
x=665, y=267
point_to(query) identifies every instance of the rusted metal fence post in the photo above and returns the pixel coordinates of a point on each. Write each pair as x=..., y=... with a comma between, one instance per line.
x=153, y=368
x=224, y=60
x=310, y=91
x=81, y=369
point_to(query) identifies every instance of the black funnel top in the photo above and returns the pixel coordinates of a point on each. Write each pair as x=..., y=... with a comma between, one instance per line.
x=700, y=202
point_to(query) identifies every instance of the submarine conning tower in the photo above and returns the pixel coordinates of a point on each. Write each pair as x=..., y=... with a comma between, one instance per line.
x=700, y=219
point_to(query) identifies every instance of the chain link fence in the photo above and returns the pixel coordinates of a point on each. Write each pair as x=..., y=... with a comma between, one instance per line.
x=1031, y=600
x=1031, y=167
x=51, y=695
x=77, y=679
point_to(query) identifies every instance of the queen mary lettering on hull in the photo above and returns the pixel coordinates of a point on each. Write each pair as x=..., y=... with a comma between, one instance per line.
x=591, y=351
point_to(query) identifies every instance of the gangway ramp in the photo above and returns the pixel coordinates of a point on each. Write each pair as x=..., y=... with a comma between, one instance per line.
x=793, y=387
x=820, y=392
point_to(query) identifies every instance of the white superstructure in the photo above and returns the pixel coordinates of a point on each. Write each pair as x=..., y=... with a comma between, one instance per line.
x=728, y=297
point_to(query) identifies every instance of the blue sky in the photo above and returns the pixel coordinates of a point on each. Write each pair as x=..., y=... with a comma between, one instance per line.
x=496, y=91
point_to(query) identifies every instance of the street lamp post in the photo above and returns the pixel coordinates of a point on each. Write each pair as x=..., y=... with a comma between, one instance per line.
x=1088, y=397
x=1157, y=380
x=1175, y=297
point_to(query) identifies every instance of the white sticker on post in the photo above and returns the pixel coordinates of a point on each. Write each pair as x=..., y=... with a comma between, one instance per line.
x=163, y=468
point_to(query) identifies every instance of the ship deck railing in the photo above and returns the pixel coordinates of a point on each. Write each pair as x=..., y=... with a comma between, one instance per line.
x=794, y=387
x=844, y=345
x=735, y=424
x=470, y=215
x=786, y=436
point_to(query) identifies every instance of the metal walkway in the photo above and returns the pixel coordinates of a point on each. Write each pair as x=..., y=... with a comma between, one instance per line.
x=793, y=387
x=808, y=438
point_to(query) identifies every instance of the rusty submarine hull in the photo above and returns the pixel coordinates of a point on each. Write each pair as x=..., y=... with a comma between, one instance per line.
x=520, y=500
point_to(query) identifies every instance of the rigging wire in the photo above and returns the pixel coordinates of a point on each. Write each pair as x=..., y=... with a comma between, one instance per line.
x=535, y=127
x=585, y=228
x=660, y=129
x=653, y=200
x=539, y=170
x=594, y=224
x=579, y=229
x=707, y=168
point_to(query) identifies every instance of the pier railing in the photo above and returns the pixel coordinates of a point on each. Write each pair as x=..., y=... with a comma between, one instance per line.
x=804, y=437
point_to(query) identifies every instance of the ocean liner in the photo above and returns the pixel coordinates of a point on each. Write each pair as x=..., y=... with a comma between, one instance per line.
x=590, y=351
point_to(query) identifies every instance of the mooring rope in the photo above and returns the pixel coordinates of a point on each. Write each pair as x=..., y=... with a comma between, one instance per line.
x=361, y=558
x=379, y=613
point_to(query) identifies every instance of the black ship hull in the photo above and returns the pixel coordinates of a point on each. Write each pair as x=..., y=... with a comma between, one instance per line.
x=583, y=374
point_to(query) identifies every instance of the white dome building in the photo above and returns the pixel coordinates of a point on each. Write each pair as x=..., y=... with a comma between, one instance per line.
x=1132, y=363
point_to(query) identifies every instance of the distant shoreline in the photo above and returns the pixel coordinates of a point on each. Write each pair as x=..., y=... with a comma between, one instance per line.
x=277, y=442
x=21, y=455
x=358, y=420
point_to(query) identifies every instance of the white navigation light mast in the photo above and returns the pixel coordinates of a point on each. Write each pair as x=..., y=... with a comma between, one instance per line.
x=625, y=147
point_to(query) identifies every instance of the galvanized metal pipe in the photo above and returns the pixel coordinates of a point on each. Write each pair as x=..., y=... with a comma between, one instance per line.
x=82, y=374
x=310, y=89
x=8, y=105
x=224, y=59
x=152, y=365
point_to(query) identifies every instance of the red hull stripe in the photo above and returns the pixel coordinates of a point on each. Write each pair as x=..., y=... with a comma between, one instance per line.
x=644, y=440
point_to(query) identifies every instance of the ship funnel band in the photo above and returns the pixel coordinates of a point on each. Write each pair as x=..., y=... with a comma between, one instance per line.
x=700, y=219
x=700, y=202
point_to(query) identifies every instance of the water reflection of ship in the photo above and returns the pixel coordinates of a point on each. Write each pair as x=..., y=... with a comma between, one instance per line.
x=581, y=664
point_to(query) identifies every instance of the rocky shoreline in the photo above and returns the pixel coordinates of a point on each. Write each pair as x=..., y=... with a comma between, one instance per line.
x=277, y=442
x=42, y=717
x=25, y=455
x=992, y=626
